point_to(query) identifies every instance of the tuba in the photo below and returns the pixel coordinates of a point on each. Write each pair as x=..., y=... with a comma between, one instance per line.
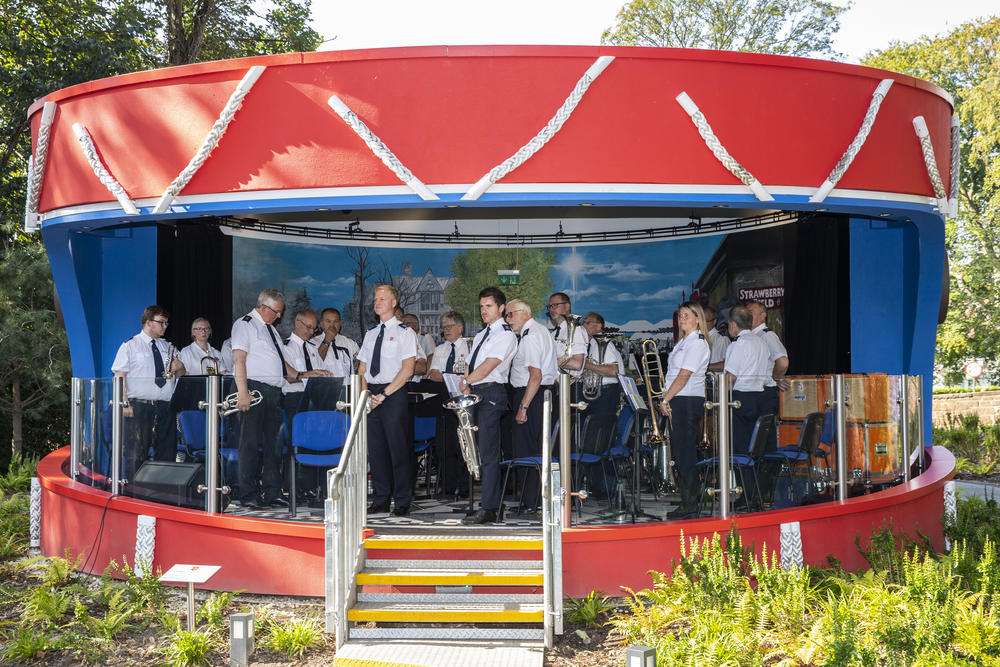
x=593, y=382
x=462, y=406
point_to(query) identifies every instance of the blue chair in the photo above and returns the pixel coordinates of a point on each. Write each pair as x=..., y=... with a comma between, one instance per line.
x=533, y=462
x=424, y=435
x=744, y=466
x=318, y=437
x=191, y=440
x=805, y=451
x=620, y=451
x=594, y=447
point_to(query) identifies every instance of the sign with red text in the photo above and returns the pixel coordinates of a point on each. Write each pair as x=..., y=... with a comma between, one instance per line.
x=771, y=297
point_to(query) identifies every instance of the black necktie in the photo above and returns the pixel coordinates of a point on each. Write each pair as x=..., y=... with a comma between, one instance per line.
x=158, y=365
x=277, y=348
x=475, y=353
x=334, y=345
x=449, y=366
x=377, y=353
x=305, y=351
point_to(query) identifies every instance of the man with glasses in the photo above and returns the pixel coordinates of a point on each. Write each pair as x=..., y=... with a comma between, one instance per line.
x=571, y=352
x=149, y=365
x=606, y=363
x=451, y=356
x=259, y=364
x=532, y=371
x=194, y=355
x=338, y=352
x=486, y=376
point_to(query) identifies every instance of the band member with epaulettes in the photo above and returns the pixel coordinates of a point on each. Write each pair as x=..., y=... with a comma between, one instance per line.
x=385, y=364
x=746, y=368
x=532, y=370
x=492, y=351
x=571, y=353
x=777, y=359
x=338, y=352
x=145, y=360
x=451, y=357
x=303, y=356
x=607, y=364
x=684, y=402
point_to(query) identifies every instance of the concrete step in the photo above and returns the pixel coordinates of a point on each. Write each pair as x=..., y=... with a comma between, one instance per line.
x=439, y=564
x=453, y=612
x=529, y=634
x=440, y=652
x=459, y=576
x=456, y=542
x=445, y=598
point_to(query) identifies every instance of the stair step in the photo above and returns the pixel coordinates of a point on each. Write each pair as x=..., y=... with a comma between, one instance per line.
x=438, y=564
x=445, y=598
x=447, y=633
x=459, y=612
x=452, y=577
x=430, y=652
x=497, y=542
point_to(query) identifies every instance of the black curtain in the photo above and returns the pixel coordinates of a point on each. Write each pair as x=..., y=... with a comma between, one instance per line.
x=817, y=295
x=194, y=270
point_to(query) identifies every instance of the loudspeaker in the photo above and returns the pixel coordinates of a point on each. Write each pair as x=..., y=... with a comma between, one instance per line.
x=170, y=483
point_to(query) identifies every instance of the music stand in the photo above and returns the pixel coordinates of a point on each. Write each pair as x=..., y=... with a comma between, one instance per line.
x=631, y=393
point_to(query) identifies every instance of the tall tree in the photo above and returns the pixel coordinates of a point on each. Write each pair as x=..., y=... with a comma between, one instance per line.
x=966, y=63
x=475, y=269
x=785, y=27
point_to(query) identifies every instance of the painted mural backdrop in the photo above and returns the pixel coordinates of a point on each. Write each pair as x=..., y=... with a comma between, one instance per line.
x=634, y=287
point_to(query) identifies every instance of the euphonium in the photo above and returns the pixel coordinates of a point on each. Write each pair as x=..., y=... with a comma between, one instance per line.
x=211, y=368
x=593, y=382
x=652, y=373
x=572, y=322
x=466, y=431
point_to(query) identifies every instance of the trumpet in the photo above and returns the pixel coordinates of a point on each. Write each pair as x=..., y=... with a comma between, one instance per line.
x=212, y=368
x=467, y=431
x=229, y=404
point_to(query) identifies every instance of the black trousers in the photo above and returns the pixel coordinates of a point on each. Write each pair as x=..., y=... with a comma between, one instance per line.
x=454, y=472
x=290, y=403
x=527, y=439
x=153, y=424
x=770, y=404
x=607, y=402
x=684, y=414
x=489, y=412
x=744, y=418
x=259, y=448
x=390, y=454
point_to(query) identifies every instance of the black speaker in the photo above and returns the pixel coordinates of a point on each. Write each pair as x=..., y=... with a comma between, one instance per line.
x=170, y=483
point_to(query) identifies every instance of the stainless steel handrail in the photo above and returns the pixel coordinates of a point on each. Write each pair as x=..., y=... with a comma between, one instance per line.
x=75, y=425
x=904, y=423
x=117, y=432
x=840, y=403
x=565, y=432
x=551, y=531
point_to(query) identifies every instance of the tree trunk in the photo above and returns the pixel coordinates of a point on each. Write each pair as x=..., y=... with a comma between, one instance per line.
x=184, y=47
x=17, y=420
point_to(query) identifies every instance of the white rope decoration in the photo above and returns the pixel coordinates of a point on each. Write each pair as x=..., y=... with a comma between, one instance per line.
x=379, y=148
x=113, y=186
x=36, y=167
x=956, y=154
x=924, y=135
x=713, y=143
x=859, y=140
x=546, y=133
x=212, y=140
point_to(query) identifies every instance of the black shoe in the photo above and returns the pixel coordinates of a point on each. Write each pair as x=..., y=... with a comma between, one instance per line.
x=375, y=508
x=316, y=503
x=401, y=511
x=480, y=517
x=278, y=501
x=682, y=512
x=252, y=503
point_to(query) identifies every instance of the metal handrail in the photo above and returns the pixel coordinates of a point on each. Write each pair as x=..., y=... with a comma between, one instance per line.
x=117, y=432
x=75, y=425
x=345, y=518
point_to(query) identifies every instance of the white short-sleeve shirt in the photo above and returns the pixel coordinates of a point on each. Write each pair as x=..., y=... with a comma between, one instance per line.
x=746, y=358
x=135, y=360
x=498, y=342
x=536, y=349
x=441, y=353
x=295, y=355
x=775, y=350
x=690, y=354
x=192, y=356
x=719, y=345
x=398, y=343
x=611, y=356
x=264, y=363
x=340, y=355
x=578, y=345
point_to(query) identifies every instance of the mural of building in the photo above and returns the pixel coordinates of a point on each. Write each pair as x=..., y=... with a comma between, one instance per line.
x=423, y=296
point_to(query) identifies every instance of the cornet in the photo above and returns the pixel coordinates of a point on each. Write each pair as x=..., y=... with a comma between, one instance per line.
x=168, y=371
x=212, y=368
x=228, y=406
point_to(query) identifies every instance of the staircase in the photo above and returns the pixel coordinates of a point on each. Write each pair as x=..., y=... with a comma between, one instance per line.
x=420, y=594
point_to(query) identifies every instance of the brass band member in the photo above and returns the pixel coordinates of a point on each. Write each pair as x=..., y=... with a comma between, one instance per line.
x=746, y=367
x=338, y=352
x=145, y=360
x=532, y=370
x=386, y=363
x=194, y=354
x=716, y=340
x=777, y=359
x=571, y=353
x=603, y=359
x=451, y=356
x=683, y=401
x=492, y=351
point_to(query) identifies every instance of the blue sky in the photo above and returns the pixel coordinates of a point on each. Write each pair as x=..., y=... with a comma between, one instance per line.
x=622, y=282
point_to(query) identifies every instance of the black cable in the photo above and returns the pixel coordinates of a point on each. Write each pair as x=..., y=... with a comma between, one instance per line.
x=98, y=537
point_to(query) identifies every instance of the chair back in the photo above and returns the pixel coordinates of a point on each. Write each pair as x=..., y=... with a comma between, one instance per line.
x=812, y=429
x=424, y=428
x=626, y=419
x=192, y=429
x=320, y=430
x=598, y=434
x=761, y=433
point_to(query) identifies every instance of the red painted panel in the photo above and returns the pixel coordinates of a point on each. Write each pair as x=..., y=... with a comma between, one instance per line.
x=452, y=114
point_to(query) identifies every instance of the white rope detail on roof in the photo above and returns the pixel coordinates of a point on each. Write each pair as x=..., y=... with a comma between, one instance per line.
x=924, y=135
x=956, y=156
x=36, y=168
x=109, y=181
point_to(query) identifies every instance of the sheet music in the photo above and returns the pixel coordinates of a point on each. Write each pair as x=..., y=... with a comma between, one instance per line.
x=451, y=381
x=632, y=393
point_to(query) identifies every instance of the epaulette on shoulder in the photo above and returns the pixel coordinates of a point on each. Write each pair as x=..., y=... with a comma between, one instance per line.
x=766, y=330
x=506, y=327
x=403, y=325
x=701, y=335
x=524, y=332
x=286, y=341
x=247, y=318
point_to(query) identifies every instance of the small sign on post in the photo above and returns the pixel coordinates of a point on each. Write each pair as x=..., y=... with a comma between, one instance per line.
x=191, y=575
x=508, y=276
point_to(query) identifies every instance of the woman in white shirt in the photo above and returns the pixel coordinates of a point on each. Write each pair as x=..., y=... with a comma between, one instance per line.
x=684, y=400
x=193, y=354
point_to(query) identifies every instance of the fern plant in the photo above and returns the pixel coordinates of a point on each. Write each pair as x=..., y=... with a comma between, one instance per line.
x=46, y=605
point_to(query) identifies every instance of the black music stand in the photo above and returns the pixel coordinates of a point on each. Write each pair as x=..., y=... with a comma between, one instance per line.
x=631, y=394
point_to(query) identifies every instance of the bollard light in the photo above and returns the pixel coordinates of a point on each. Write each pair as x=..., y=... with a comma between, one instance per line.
x=241, y=641
x=640, y=656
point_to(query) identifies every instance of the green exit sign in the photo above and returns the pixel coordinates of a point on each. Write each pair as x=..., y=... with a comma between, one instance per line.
x=508, y=276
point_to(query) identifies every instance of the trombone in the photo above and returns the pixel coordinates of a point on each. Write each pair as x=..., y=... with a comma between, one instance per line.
x=652, y=373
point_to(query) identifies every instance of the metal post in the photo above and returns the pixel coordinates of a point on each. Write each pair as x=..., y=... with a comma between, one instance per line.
x=213, y=386
x=75, y=425
x=724, y=444
x=190, y=619
x=564, y=443
x=547, y=571
x=92, y=432
x=840, y=403
x=920, y=420
x=904, y=423
x=117, y=431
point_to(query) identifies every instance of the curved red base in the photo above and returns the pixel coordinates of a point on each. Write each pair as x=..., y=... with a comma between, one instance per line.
x=278, y=557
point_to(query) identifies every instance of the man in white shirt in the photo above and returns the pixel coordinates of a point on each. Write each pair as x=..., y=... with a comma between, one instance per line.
x=716, y=341
x=386, y=362
x=606, y=363
x=777, y=360
x=424, y=348
x=532, y=370
x=148, y=363
x=489, y=367
x=746, y=365
x=302, y=355
x=338, y=352
x=571, y=352
x=451, y=357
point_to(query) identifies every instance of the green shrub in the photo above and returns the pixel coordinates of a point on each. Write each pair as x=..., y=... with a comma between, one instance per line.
x=189, y=648
x=293, y=638
x=587, y=610
x=213, y=609
x=47, y=605
x=17, y=479
x=26, y=644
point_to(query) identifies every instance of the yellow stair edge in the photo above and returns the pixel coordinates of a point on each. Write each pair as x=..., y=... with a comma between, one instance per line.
x=454, y=543
x=449, y=579
x=357, y=662
x=445, y=616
